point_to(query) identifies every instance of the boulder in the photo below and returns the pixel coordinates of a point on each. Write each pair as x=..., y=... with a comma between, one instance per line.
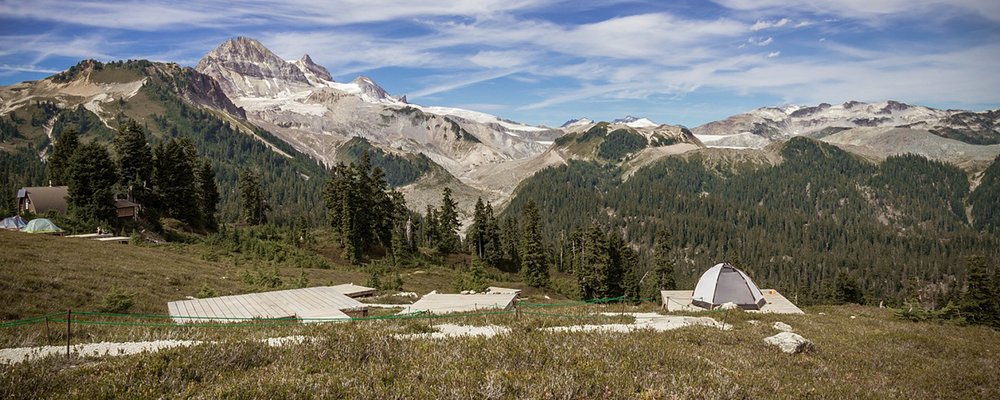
x=781, y=326
x=791, y=343
x=728, y=306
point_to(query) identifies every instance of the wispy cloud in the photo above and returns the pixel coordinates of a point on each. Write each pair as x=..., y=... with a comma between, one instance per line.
x=762, y=24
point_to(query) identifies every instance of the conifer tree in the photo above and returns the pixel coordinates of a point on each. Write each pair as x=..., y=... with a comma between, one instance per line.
x=980, y=301
x=251, y=199
x=663, y=263
x=448, y=224
x=593, y=264
x=92, y=178
x=846, y=289
x=133, y=155
x=492, y=248
x=534, y=267
x=208, y=195
x=510, y=239
x=476, y=235
x=62, y=152
x=174, y=180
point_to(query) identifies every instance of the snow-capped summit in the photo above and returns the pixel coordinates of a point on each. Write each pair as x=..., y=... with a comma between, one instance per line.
x=308, y=66
x=635, y=122
x=582, y=121
x=240, y=58
x=373, y=93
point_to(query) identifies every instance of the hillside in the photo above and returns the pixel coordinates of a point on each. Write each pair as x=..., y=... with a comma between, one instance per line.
x=796, y=221
x=169, y=101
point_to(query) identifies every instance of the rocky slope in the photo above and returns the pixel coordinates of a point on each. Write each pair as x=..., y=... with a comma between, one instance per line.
x=300, y=103
x=759, y=127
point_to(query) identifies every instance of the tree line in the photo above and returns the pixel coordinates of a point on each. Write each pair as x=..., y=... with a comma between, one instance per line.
x=167, y=180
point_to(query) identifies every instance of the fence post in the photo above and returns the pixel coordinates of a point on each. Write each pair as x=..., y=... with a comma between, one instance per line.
x=69, y=330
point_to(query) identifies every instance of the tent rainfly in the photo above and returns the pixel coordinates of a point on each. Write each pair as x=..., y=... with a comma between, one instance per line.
x=14, y=223
x=723, y=284
x=41, y=225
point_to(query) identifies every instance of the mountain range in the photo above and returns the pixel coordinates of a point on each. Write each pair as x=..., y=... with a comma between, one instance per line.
x=295, y=110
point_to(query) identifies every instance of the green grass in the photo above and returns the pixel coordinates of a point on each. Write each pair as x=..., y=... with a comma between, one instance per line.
x=873, y=356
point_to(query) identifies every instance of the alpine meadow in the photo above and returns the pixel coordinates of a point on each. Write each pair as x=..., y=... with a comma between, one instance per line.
x=777, y=199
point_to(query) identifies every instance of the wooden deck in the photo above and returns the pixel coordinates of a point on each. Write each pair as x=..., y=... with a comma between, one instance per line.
x=680, y=300
x=439, y=303
x=354, y=291
x=324, y=302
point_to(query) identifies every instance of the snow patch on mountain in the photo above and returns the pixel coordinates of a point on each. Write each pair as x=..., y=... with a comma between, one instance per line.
x=635, y=122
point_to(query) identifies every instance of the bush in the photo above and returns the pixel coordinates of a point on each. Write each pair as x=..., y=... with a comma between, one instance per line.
x=206, y=291
x=384, y=276
x=264, y=277
x=117, y=301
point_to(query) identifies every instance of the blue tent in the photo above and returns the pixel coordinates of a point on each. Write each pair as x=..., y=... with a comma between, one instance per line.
x=41, y=225
x=14, y=223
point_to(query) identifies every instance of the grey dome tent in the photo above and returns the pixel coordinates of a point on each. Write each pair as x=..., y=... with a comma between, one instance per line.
x=41, y=225
x=14, y=223
x=723, y=284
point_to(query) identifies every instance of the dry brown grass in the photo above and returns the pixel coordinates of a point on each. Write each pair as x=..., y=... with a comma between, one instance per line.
x=873, y=356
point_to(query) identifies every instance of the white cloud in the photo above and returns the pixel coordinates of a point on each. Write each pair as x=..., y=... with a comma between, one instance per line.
x=760, y=41
x=762, y=24
x=873, y=12
x=773, y=54
x=802, y=24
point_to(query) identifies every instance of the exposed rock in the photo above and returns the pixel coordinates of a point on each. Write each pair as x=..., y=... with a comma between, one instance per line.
x=791, y=343
x=781, y=326
x=729, y=306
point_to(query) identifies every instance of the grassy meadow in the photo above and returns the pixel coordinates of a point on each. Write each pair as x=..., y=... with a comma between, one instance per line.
x=872, y=355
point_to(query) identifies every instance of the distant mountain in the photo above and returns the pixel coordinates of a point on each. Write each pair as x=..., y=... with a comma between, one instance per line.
x=635, y=122
x=301, y=103
x=169, y=101
x=759, y=127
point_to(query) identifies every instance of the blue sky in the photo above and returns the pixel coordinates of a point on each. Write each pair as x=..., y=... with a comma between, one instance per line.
x=546, y=61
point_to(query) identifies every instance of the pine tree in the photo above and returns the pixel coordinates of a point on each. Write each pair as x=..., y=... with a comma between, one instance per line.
x=476, y=234
x=846, y=289
x=448, y=224
x=92, y=178
x=431, y=227
x=492, y=248
x=980, y=301
x=62, y=152
x=208, y=195
x=592, y=267
x=663, y=264
x=174, y=180
x=133, y=155
x=510, y=240
x=534, y=268
x=251, y=200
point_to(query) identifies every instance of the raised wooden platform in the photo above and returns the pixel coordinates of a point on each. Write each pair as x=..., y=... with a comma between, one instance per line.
x=680, y=300
x=324, y=302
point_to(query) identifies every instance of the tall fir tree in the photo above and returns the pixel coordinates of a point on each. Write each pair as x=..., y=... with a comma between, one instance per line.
x=592, y=267
x=132, y=155
x=492, y=248
x=174, y=180
x=448, y=224
x=981, y=301
x=208, y=195
x=92, y=179
x=476, y=235
x=663, y=264
x=251, y=198
x=534, y=267
x=62, y=152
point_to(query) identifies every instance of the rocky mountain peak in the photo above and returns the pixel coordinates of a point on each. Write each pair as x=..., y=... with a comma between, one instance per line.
x=316, y=69
x=577, y=122
x=371, y=91
x=240, y=58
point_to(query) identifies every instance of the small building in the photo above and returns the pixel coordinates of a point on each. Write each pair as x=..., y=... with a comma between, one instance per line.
x=42, y=199
x=127, y=209
x=315, y=304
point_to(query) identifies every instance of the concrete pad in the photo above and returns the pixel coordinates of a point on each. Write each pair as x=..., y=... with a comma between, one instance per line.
x=680, y=300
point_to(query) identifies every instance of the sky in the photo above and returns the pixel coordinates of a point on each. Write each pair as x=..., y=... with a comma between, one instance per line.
x=546, y=61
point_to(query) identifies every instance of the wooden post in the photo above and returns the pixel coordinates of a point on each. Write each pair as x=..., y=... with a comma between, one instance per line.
x=69, y=331
x=48, y=335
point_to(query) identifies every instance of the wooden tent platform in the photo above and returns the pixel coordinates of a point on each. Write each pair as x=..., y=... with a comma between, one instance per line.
x=680, y=300
x=324, y=302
